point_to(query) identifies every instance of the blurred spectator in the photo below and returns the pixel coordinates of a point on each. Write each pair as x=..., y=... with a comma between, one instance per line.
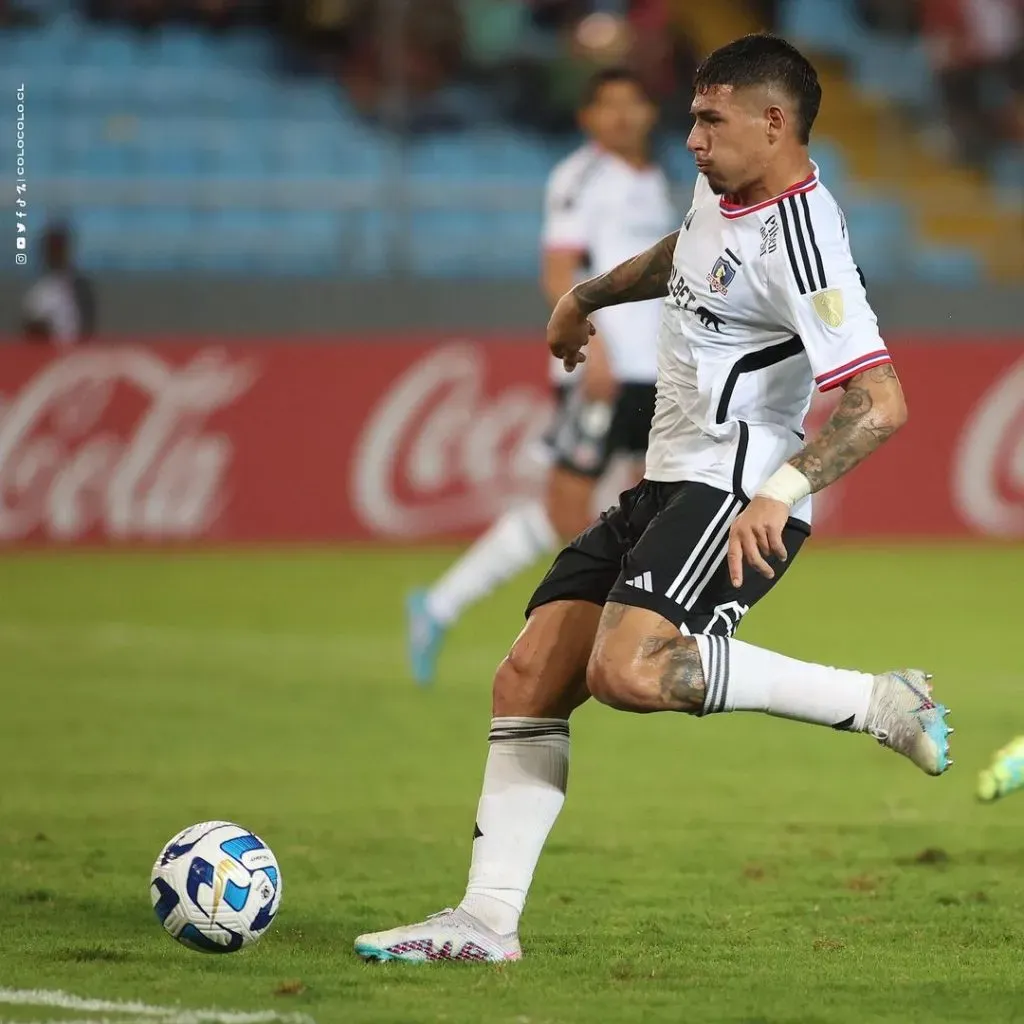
x=13, y=15
x=535, y=56
x=213, y=14
x=399, y=53
x=977, y=47
x=892, y=17
x=60, y=307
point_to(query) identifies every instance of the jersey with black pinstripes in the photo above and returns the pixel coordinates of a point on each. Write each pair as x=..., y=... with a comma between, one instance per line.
x=764, y=302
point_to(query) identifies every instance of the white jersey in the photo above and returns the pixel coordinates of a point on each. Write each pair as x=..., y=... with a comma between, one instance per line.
x=764, y=302
x=600, y=205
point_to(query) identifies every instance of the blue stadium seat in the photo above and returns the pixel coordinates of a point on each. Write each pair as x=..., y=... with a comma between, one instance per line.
x=948, y=265
x=826, y=26
x=363, y=236
x=896, y=70
x=880, y=237
x=1008, y=175
x=110, y=49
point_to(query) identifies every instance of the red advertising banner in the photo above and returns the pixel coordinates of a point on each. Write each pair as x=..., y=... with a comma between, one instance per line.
x=406, y=439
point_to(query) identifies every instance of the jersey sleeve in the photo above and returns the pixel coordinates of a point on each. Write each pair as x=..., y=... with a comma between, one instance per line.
x=565, y=215
x=821, y=294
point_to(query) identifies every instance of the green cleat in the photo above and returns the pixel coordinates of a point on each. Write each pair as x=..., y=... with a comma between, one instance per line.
x=1005, y=774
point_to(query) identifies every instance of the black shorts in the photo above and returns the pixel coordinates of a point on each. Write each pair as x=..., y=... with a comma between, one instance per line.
x=663, y=547
x=585, y=435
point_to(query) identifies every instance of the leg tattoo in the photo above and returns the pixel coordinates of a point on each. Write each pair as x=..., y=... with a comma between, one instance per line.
x=680, y=674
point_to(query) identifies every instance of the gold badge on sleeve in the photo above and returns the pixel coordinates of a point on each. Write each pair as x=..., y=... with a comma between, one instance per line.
x=829, y=306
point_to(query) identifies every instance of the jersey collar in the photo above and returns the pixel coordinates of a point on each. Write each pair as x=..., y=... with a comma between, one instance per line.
x=733, y=210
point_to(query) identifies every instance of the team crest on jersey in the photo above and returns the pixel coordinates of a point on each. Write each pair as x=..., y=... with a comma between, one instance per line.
x=723, y=273
x=829, y=307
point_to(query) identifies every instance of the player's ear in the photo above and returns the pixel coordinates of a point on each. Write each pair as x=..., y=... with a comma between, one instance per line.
x=775, y=122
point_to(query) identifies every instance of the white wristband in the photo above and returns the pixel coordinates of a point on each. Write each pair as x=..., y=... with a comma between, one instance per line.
x=787, y=484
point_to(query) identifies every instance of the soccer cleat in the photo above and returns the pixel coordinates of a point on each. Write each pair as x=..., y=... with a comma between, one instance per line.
x=424, y=637
x=1005, y=774
x=903, y=717
x=449, y=935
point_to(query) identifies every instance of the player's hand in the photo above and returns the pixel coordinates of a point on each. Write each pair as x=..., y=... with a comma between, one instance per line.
x=568, y=331
x=756, y=535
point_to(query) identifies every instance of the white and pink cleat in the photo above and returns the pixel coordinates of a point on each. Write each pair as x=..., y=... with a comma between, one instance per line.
x=449, y=935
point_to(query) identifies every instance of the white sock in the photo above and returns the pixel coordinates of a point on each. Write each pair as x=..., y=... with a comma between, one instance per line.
x=524, y=789
x=741, y=677
x=513, y=543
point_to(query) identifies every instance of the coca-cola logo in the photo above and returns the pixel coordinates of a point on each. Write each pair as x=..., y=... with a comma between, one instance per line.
x=440, y=454
x=114, y=440
x=988, y=474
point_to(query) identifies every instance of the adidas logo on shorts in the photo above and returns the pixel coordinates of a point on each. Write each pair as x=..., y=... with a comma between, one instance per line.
x=642, y=582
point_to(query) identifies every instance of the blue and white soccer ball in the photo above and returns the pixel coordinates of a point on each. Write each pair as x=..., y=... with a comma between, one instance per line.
x=216, y=887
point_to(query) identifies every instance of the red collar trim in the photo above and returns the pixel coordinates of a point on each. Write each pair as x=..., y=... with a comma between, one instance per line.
x=732, y=210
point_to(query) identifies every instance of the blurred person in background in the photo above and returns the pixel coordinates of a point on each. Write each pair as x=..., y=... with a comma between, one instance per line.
x=14, y=15
x=977, y=47
x=60, y=308
x=212, y=14
x=423, y=51
x=604, y=202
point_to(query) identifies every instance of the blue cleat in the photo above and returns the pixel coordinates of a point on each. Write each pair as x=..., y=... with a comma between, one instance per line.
x=1005, y=774
x=424, y=637
x=903, y=717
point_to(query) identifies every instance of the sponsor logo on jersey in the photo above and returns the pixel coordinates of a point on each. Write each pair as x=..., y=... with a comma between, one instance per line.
x=710, y=320
x=769, y=235
x=829, y=306
x=689, y=217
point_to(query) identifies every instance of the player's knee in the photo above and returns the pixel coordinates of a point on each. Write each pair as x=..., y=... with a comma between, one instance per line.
x=522, y=689
x=515, y=684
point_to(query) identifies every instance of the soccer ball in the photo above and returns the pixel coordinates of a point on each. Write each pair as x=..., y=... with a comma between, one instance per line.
x=216, y=887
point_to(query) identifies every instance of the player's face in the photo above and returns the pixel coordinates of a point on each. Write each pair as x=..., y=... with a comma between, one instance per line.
x=620, y=118
x=730, y=137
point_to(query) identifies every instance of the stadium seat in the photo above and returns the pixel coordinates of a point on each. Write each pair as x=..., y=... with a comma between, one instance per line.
x=948, y=265
x=880, y=237
x=826, y=26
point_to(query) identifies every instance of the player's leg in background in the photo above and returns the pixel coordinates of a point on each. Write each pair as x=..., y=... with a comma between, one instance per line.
x=519, y=538
x=665, y=643
x=1005, y=774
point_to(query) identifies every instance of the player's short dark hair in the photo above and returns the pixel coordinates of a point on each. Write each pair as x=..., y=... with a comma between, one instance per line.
x=765, y=59
x=611, y=76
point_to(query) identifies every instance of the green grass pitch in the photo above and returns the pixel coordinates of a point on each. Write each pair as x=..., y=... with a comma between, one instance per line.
x=739, y=869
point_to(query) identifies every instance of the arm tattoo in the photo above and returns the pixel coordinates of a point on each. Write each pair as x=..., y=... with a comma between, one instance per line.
x=854, y=430
x=680, y=672
x=643, y=277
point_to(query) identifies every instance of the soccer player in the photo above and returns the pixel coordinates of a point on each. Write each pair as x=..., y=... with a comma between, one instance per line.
x=1006, y=773
x=763, y=301
x=603, y=203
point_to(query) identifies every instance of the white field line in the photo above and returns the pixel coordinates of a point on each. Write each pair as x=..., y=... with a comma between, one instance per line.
x=142, y=1011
